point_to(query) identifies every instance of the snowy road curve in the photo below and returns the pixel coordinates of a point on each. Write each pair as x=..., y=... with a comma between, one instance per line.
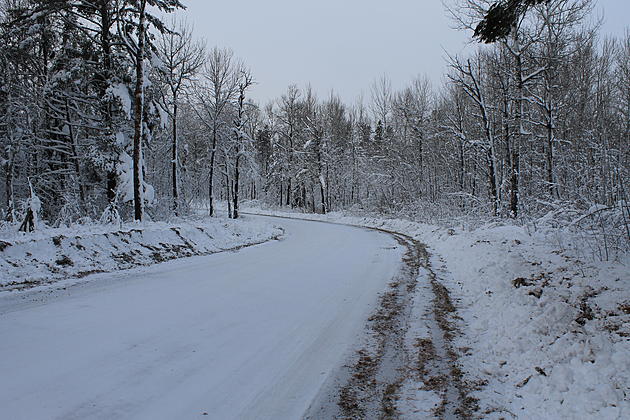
x=245, y=335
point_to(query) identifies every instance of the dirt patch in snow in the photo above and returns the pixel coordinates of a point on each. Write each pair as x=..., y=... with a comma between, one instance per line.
x=438, y=364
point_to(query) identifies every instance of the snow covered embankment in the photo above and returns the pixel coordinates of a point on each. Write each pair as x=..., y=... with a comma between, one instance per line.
x=49, y=255
x=546, y=332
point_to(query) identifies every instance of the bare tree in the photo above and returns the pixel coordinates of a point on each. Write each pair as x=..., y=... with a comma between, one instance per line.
x=245, y=81
x=469, y=77
x=381, y=105
x=182, y=58
x=217, y=88
x=561, y=38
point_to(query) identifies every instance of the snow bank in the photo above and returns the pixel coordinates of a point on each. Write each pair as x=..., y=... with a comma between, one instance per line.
x=53, y=254
x=546, y=332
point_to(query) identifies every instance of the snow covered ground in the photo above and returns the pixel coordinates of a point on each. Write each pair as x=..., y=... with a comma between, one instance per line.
x=251, y=334
x=47, y=255
x=546, y=332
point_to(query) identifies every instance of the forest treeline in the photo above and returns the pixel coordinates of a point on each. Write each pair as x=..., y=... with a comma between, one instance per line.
x=99, y=96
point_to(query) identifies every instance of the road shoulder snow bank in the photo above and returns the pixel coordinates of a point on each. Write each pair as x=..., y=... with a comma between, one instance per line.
x=546, y=331
x=28, y=260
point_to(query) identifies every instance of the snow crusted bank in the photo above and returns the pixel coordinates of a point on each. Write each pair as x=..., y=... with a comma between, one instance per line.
x=546, y=333
x=48, y=255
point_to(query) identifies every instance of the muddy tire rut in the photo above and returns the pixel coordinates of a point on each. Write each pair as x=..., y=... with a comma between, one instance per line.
x=369, y=385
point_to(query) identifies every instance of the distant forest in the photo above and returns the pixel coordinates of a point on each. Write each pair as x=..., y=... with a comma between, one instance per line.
x=109, y=112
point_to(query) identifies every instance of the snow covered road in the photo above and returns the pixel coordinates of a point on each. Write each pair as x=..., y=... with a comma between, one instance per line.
x=245, y=335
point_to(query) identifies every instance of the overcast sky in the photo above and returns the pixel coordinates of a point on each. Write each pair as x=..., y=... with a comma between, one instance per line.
x=341, y=45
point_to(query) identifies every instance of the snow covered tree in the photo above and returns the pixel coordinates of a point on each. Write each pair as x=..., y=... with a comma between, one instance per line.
x=182, y=58
x=138, y=49
x=216, y=89
x=470, y=77
x=244, y=82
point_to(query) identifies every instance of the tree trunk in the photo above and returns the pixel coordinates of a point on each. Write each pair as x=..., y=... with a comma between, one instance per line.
x=549, y=153
x=236, y=181
x=75, y=157
x=106, y=24
x=461, y=166
x=323, y=203
x=492, y=183
x=175, y=158
x=138, y=106
x=112, y=185
x=228, y=195
x=515, y=150
x=213, y=153
x=281, y=194
x=8, y=168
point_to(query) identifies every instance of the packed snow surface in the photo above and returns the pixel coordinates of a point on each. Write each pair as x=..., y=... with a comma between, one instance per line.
x=251, y=334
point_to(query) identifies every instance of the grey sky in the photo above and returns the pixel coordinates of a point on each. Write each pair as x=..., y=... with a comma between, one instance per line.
x=341, y=45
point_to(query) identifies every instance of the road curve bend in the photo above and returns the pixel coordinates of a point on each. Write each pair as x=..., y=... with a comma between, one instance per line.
x=251, y=334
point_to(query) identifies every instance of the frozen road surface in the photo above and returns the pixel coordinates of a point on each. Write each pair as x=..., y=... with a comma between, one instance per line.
x=245, y=335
